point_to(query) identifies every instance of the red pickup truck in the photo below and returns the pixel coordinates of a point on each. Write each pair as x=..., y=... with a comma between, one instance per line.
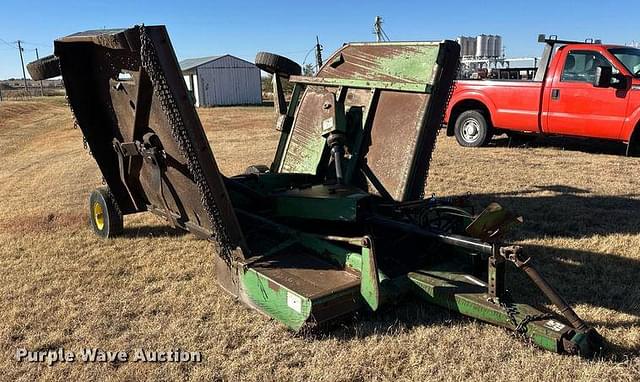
x=580, y=89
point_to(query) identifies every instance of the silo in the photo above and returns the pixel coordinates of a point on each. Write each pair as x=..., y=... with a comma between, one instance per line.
x=463, y=45
x=471, y=45
x=490, y=41
x=468, y=46
x=497, y=46
x=482, y=45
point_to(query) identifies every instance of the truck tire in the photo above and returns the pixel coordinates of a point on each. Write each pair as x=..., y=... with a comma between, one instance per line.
x=472, y=129
x=44, y=68
x=275, y=64
x=104, y=213
x=633, y=146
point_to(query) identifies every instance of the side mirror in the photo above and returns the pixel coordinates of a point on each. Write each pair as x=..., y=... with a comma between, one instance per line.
x=603, y=77
x=620, y=81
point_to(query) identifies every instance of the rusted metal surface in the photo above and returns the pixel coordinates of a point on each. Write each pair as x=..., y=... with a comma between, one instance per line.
x=397, y=125
x=400, y=130
x=131, y=103
x=492, y=223
x=305, y=273
x=305, y=147
x=399, y=63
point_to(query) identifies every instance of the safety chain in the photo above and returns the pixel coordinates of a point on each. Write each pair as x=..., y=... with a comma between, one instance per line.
x=511, y=311
x=162, y=90
x=85, y=144
x=522, y=326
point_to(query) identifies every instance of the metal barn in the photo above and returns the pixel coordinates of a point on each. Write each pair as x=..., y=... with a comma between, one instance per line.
x=222, y=80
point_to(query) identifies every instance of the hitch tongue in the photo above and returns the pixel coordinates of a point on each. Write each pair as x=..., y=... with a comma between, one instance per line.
x=514, y=254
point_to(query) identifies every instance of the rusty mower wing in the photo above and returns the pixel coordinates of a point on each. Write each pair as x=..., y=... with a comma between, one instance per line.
x=398, y=90
x=130, y=101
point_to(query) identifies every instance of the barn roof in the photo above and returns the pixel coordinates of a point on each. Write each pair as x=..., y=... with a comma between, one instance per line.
x=191, y=63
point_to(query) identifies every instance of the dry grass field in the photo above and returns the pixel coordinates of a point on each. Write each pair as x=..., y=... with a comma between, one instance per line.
x=154, y=288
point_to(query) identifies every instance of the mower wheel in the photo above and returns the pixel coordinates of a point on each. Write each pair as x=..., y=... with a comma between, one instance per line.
x=275, y=64
x=472, y=129
x=104, y=213
x=44, y=68
x=256, y=169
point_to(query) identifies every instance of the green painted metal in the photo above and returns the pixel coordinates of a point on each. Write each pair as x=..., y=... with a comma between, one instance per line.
x=402, y=66
x=307, y=160
x=275, y=299
x=298, y=89
x=493, y=222
x=363, y=84
x=369, y=279
x=449, y=290
x=343, y=257
x=319, y=202
x=416, y=65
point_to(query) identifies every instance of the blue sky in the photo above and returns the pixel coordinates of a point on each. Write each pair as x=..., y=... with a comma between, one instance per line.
x=241, y=28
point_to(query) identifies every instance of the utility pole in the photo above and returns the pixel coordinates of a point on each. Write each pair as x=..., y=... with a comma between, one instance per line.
x=318, y=53
x=377, y=29
x=41, y=87
x=24, y=74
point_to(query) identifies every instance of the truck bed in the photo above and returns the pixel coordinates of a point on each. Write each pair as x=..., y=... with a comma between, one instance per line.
x=516, y=101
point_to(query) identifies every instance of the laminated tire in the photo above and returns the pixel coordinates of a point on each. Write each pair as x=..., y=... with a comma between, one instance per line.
x=275, y=64
x=104, y=213
x=44, y=68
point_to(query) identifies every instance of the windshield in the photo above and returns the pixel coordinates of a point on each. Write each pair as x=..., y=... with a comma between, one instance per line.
x=629, y=57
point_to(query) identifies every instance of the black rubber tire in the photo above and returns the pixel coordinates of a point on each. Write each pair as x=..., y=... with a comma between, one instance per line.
x=111, y=224
x=633, y=146
x=257, y=169
x=44, y=68
x=275, y=64
x=483, y=132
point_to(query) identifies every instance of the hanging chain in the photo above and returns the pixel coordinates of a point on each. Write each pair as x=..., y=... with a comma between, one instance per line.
x=162, y=89
x=520, y=328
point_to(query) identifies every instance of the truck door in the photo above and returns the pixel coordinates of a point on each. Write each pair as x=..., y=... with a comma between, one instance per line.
x=576, y=107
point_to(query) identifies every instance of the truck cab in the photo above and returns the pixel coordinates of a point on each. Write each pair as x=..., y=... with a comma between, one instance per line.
x=581, y=89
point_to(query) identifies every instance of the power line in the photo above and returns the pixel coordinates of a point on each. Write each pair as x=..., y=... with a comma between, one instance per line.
x=307, y=55
x=9, y=44
x=37, y=44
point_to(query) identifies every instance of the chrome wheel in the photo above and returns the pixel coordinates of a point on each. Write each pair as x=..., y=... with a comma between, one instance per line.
x=470, y=130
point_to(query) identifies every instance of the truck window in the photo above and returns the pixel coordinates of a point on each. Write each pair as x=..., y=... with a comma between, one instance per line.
x=629, y=57
x=581, y=65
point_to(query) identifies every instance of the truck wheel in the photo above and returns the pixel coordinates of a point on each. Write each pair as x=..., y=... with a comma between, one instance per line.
x=274, y=64
x=104, y=213
x=472, y=129
x=44, y=68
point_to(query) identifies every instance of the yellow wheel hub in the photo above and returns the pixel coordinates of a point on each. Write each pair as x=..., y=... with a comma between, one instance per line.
x=98, y=215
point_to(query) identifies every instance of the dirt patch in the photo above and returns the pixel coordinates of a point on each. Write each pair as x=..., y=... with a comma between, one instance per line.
x=43, y=223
